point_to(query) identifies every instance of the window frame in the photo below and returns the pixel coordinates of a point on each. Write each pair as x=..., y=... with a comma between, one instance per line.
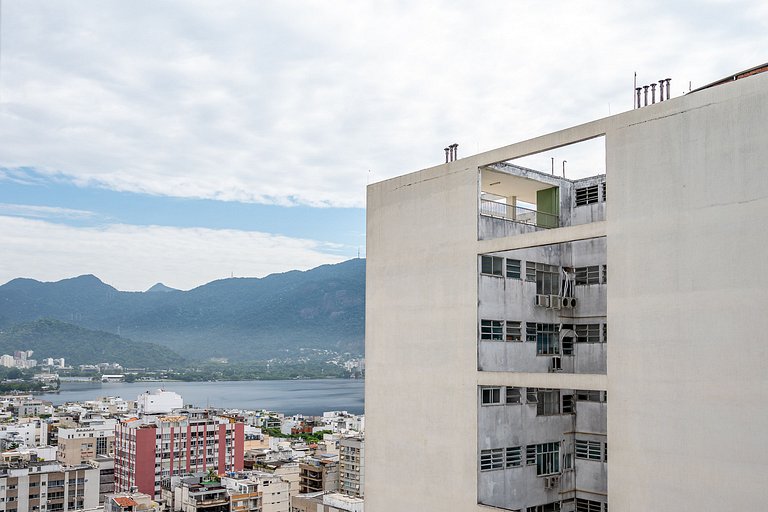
x=493, y=395
x=493, y=262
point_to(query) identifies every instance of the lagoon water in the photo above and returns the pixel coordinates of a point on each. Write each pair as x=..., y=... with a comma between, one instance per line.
x=311, y=397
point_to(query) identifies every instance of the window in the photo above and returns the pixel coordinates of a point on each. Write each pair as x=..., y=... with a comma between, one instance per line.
x=566, y=345
x=567, y=461
x=532, y=395
x=530, y=454
x=548, y=507
x=490, y=396
x=530, y=271
x=547, y=458
x=605, y=333
x=588, y=395
x=514, y=457
x=547, y=339
x=586, y=195
x=491, y=330
x=101, y=446
x=513, y=268
x=547, y=277
x=514, y=331
x=513, y=395
x=589, y=450
x=491, y=459
x=587, y=333
x=583, y=505
x=568, y=404
x=530, y=331
x=605, y=452
x=492, y=265
x=605, y=190
x=605, y=274
x=549, y=402
x=588, y=275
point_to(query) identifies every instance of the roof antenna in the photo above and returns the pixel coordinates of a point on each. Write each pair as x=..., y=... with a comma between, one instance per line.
x=564, y=168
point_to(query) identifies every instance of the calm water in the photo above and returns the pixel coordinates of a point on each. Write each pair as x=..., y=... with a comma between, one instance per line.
x=310, y=397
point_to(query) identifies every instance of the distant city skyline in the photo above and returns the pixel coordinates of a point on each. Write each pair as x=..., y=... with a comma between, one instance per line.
x=184, y=142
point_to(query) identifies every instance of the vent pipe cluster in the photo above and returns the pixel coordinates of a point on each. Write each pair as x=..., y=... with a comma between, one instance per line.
x=451, y=153
x=664, y=83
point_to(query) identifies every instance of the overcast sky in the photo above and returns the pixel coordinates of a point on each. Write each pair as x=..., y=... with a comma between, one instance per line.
x=187, y=141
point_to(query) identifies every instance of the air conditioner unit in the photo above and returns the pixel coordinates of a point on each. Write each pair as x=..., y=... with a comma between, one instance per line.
x=557, y=364
x=555, y=301
x=569, y=302
x=552, y=482
x=542, y=301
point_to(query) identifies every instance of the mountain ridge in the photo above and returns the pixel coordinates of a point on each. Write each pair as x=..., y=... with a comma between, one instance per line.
x=248, y=317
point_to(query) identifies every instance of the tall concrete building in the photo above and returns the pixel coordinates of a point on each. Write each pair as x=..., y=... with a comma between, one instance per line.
x=490, y=288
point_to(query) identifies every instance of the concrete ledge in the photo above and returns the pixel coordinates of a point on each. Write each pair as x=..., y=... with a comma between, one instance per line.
x=544, y=380
x=544, y=237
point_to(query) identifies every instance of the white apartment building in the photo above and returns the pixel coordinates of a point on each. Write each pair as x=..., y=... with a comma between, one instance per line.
x=490, y=288
x=30, y=486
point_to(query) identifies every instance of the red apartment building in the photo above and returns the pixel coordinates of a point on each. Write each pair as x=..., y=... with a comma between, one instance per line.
x=153, y=448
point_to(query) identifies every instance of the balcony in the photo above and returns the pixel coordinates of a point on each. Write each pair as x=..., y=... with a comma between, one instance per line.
x=516, y=213
x=515, y=200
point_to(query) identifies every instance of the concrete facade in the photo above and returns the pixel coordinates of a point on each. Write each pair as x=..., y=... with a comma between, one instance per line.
x=683, y=240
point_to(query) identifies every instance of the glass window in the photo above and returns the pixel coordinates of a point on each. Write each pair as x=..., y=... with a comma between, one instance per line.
x=490, y=396
x=492, y=265
x=491, y=459
x=513, y=395
x=513, y=268
x=586, y=195
x=491, y=330
x=514, y=457
x=514, y=331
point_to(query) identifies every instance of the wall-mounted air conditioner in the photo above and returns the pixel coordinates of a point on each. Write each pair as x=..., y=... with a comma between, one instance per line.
x=551, y=482
x=555, y=301
x=569, y=302
x=542, y=301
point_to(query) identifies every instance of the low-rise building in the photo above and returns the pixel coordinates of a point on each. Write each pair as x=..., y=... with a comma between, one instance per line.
x=130, y=502
x=80, y=444
x=326, y=502
x=50, y=486
x=318, y=475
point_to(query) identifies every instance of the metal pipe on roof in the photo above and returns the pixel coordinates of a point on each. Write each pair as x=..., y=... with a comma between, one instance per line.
x=661, y=90
x=638, y=89
x=645, y=87
x=447, y=150
x=653, y=93
x=668, y=80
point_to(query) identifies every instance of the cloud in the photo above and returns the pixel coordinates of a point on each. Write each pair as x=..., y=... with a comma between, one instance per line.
x=294, y=102
x=28, y=210
x=135, y=257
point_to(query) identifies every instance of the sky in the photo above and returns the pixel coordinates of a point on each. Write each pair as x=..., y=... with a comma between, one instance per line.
x=186, y=141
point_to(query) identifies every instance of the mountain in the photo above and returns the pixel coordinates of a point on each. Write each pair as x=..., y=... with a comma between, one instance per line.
x=52, y=338
x=160, y=287
x=245, y=318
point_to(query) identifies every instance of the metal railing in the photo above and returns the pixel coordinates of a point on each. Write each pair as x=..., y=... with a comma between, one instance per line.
x=518, y=214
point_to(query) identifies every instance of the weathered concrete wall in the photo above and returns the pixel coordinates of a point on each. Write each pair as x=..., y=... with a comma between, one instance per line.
x=421, y=342
x=687, y=275
x=688, y=278
x=517, y=425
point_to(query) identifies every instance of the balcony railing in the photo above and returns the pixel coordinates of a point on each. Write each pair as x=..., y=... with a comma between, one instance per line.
x=518, y=214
